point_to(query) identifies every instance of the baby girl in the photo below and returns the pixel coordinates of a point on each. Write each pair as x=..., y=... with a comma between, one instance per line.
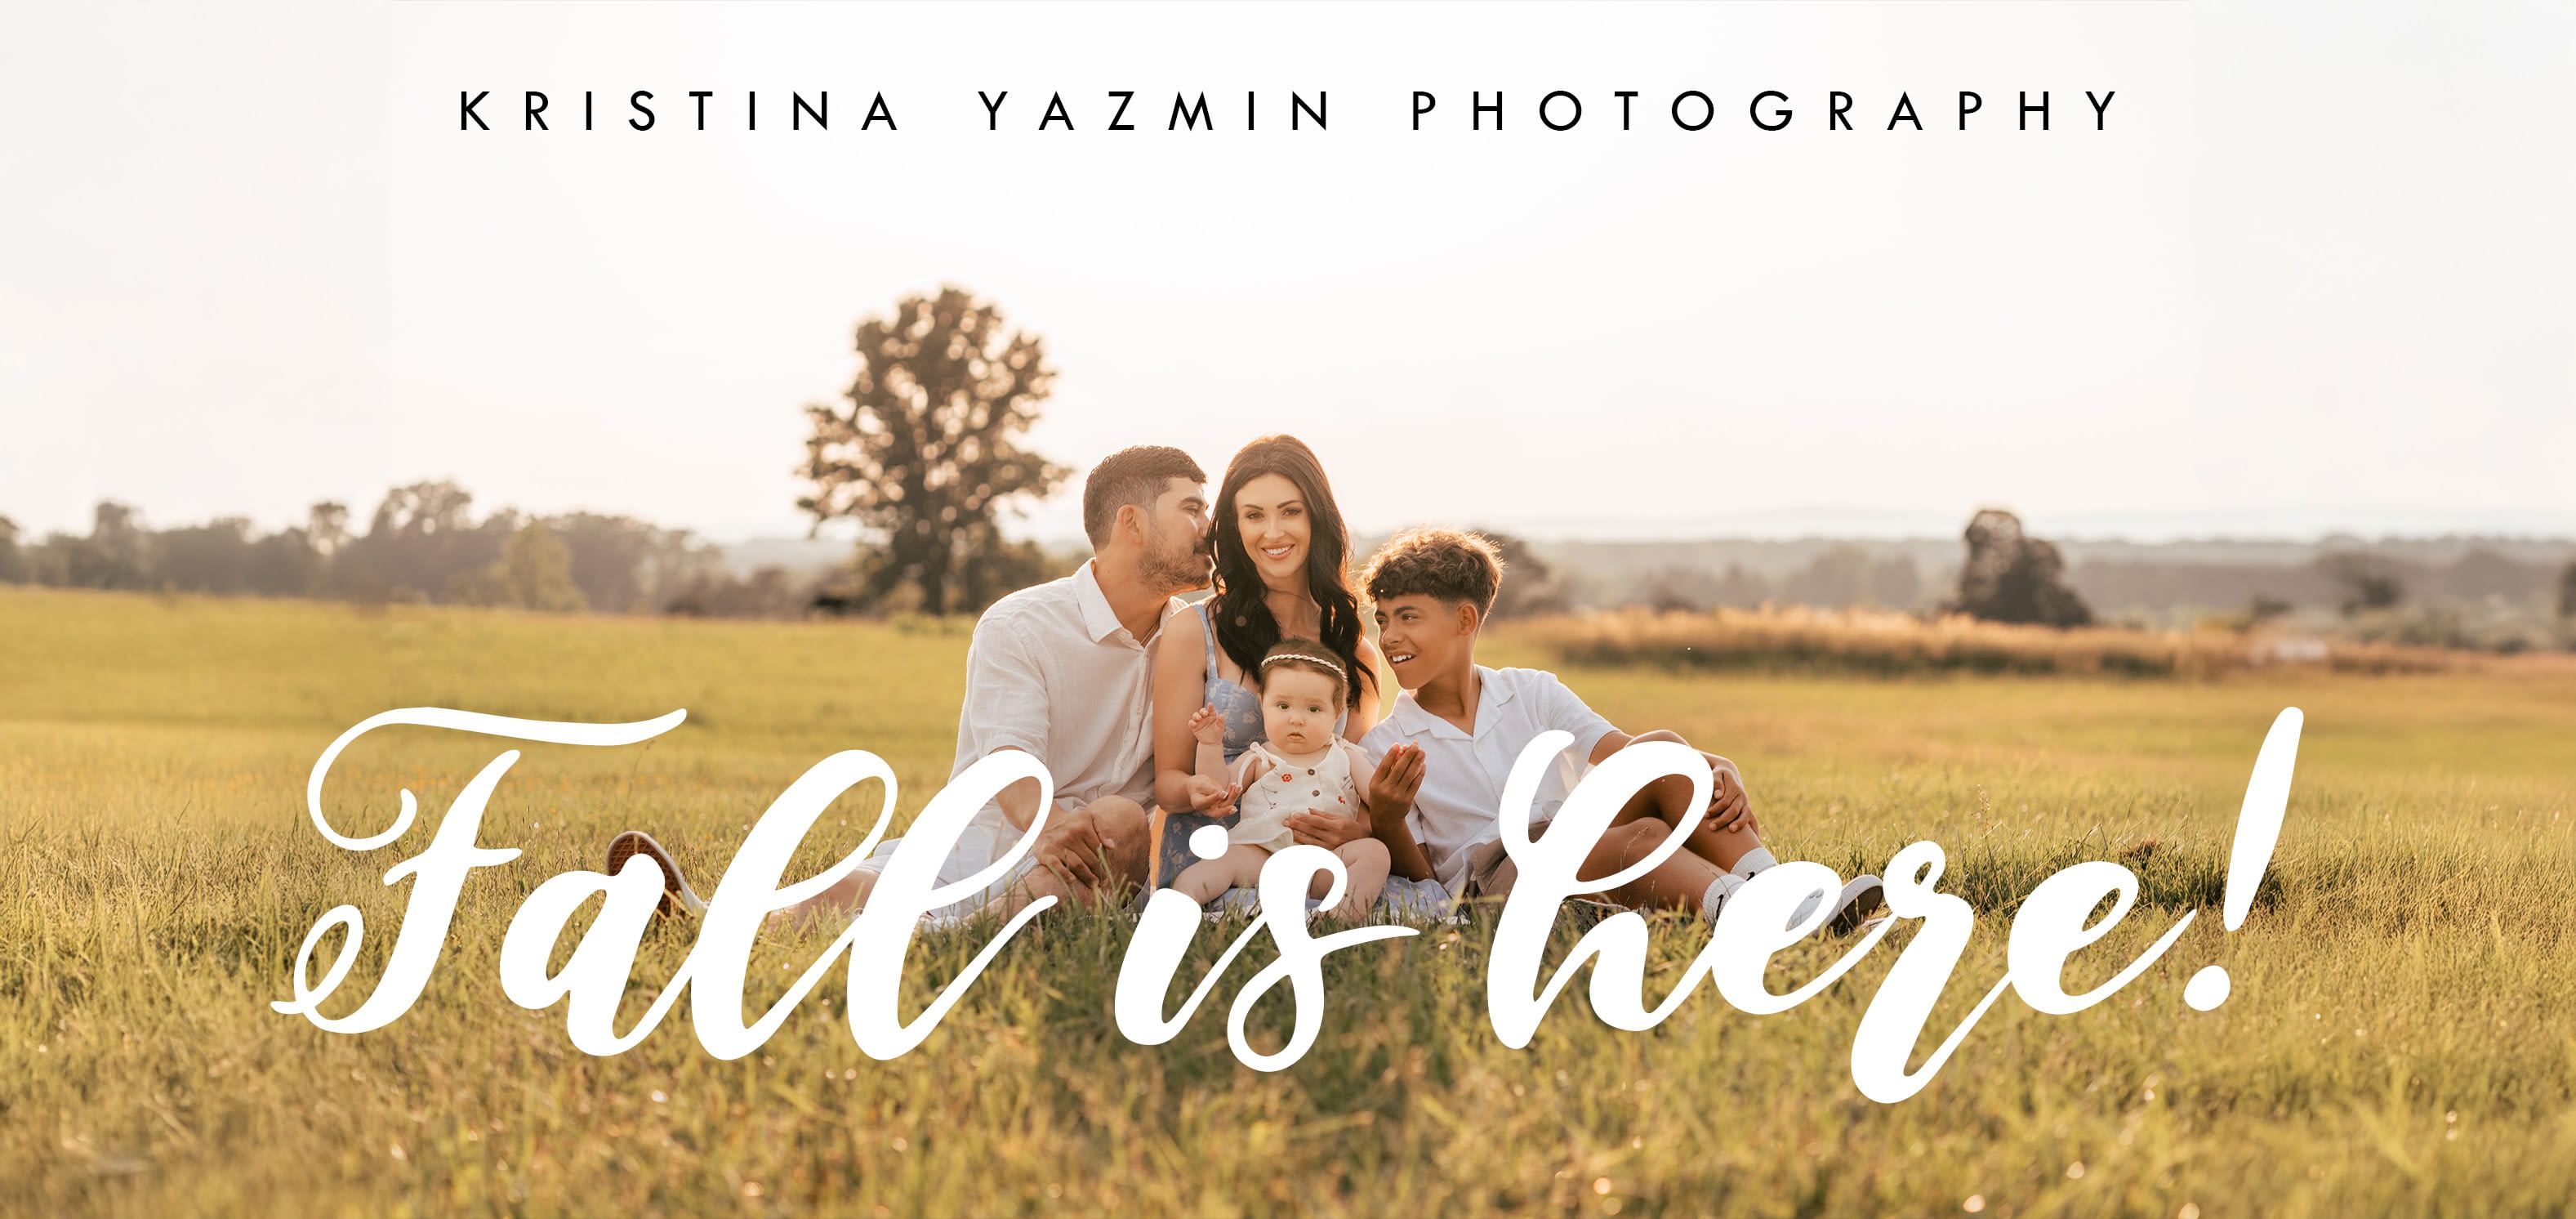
x=1299, y=765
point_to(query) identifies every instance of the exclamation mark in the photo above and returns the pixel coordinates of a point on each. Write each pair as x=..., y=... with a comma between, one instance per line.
x=2258, y=827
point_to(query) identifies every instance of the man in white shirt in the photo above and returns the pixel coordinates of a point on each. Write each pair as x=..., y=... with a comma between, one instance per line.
x=1062, y=671
x=1459, y=727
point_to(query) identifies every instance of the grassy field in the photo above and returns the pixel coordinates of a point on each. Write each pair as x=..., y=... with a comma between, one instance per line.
x=2402, y=1036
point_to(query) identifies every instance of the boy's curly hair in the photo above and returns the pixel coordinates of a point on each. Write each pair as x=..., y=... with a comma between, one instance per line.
x=1444, y=564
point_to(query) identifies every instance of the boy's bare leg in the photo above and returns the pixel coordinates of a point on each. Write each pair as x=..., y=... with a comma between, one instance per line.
x=1668, y=800
x=1681, y=882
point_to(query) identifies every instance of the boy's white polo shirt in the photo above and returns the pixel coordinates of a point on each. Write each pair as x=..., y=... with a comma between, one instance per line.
x=1463, y=775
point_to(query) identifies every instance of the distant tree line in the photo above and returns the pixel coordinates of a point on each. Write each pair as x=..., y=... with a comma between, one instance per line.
x=2351, y=580
x=1838, y=578
x=421, y=544
x=2127, y=581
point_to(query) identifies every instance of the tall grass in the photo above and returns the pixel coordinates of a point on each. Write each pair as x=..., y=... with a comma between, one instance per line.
x=2398, y=1040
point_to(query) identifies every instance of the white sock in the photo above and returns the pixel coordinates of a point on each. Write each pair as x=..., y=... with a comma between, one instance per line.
x=1754, y=861
x=1718, y=891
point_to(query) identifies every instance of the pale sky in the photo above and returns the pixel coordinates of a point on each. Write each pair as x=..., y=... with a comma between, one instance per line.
x=2317, y=272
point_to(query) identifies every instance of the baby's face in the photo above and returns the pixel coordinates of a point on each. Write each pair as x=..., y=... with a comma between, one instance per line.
x=1297, y=709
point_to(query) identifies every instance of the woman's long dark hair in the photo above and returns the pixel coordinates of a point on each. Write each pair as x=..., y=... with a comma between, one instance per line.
x=1238, y=611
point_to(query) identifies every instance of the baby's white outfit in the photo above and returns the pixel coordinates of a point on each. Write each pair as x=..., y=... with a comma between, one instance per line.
x=1274, y=790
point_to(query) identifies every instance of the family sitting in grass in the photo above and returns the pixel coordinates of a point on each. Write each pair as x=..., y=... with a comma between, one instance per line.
x=1189, y=742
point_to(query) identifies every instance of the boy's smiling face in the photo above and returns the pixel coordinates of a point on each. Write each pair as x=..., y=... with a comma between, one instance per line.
x=1423, y=637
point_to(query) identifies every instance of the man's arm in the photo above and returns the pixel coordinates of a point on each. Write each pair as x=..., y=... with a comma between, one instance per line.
x=1005, y=708
x=1019, y=801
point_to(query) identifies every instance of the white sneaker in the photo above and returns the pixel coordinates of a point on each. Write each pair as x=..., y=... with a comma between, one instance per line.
x=1860, y=898
x=677, y=896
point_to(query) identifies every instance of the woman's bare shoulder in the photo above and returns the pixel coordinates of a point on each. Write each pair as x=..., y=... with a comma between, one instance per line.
x=1188, y=622
x=1184, y=635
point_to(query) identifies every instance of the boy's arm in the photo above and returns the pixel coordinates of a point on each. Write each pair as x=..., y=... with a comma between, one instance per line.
x=1386, y=798
x=1727, y=803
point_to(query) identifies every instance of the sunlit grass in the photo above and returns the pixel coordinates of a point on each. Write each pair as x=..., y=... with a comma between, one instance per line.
x=2400, y=1037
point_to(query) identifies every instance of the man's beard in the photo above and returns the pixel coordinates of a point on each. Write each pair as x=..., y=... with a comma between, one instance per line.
x=1174, y=565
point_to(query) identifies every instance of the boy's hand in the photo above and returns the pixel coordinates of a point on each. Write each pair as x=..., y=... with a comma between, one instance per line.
x=1399, y=776
x=1207, y=726
x=1729, y=807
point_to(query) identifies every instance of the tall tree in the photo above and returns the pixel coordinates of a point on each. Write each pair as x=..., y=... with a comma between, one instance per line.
x=422, y=537
x=117, y=553
x=326, y=527
x=923, y=451
x=534, y=572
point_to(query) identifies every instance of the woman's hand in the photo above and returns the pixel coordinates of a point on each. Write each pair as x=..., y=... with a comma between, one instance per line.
x=1211, y=797
x=1331, y=831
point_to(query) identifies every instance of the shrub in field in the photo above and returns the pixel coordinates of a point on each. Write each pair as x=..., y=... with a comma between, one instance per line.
x=2368, y=583
x=2013, y=577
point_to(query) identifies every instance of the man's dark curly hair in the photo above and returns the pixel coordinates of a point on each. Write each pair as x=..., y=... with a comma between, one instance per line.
x=1444, y=564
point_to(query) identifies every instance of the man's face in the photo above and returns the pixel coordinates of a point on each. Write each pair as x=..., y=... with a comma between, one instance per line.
x=1422, y=636
x=1176, y=533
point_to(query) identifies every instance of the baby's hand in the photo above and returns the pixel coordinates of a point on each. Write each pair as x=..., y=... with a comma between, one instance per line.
x=1207, y=726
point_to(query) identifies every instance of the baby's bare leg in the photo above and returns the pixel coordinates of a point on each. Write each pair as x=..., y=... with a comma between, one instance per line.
x=1208, y=879
x=1366, y=860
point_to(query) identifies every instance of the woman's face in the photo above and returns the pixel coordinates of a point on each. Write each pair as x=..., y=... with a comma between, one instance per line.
x=1270, y=517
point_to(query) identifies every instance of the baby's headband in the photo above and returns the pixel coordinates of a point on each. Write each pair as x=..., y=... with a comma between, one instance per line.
x=1334, y=665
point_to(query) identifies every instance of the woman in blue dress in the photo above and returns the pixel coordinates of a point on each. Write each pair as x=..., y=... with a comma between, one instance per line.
x=1281, y=554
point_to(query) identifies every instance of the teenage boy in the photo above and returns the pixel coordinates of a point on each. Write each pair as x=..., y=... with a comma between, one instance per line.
x=1467, y=725
x=1063, y=671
